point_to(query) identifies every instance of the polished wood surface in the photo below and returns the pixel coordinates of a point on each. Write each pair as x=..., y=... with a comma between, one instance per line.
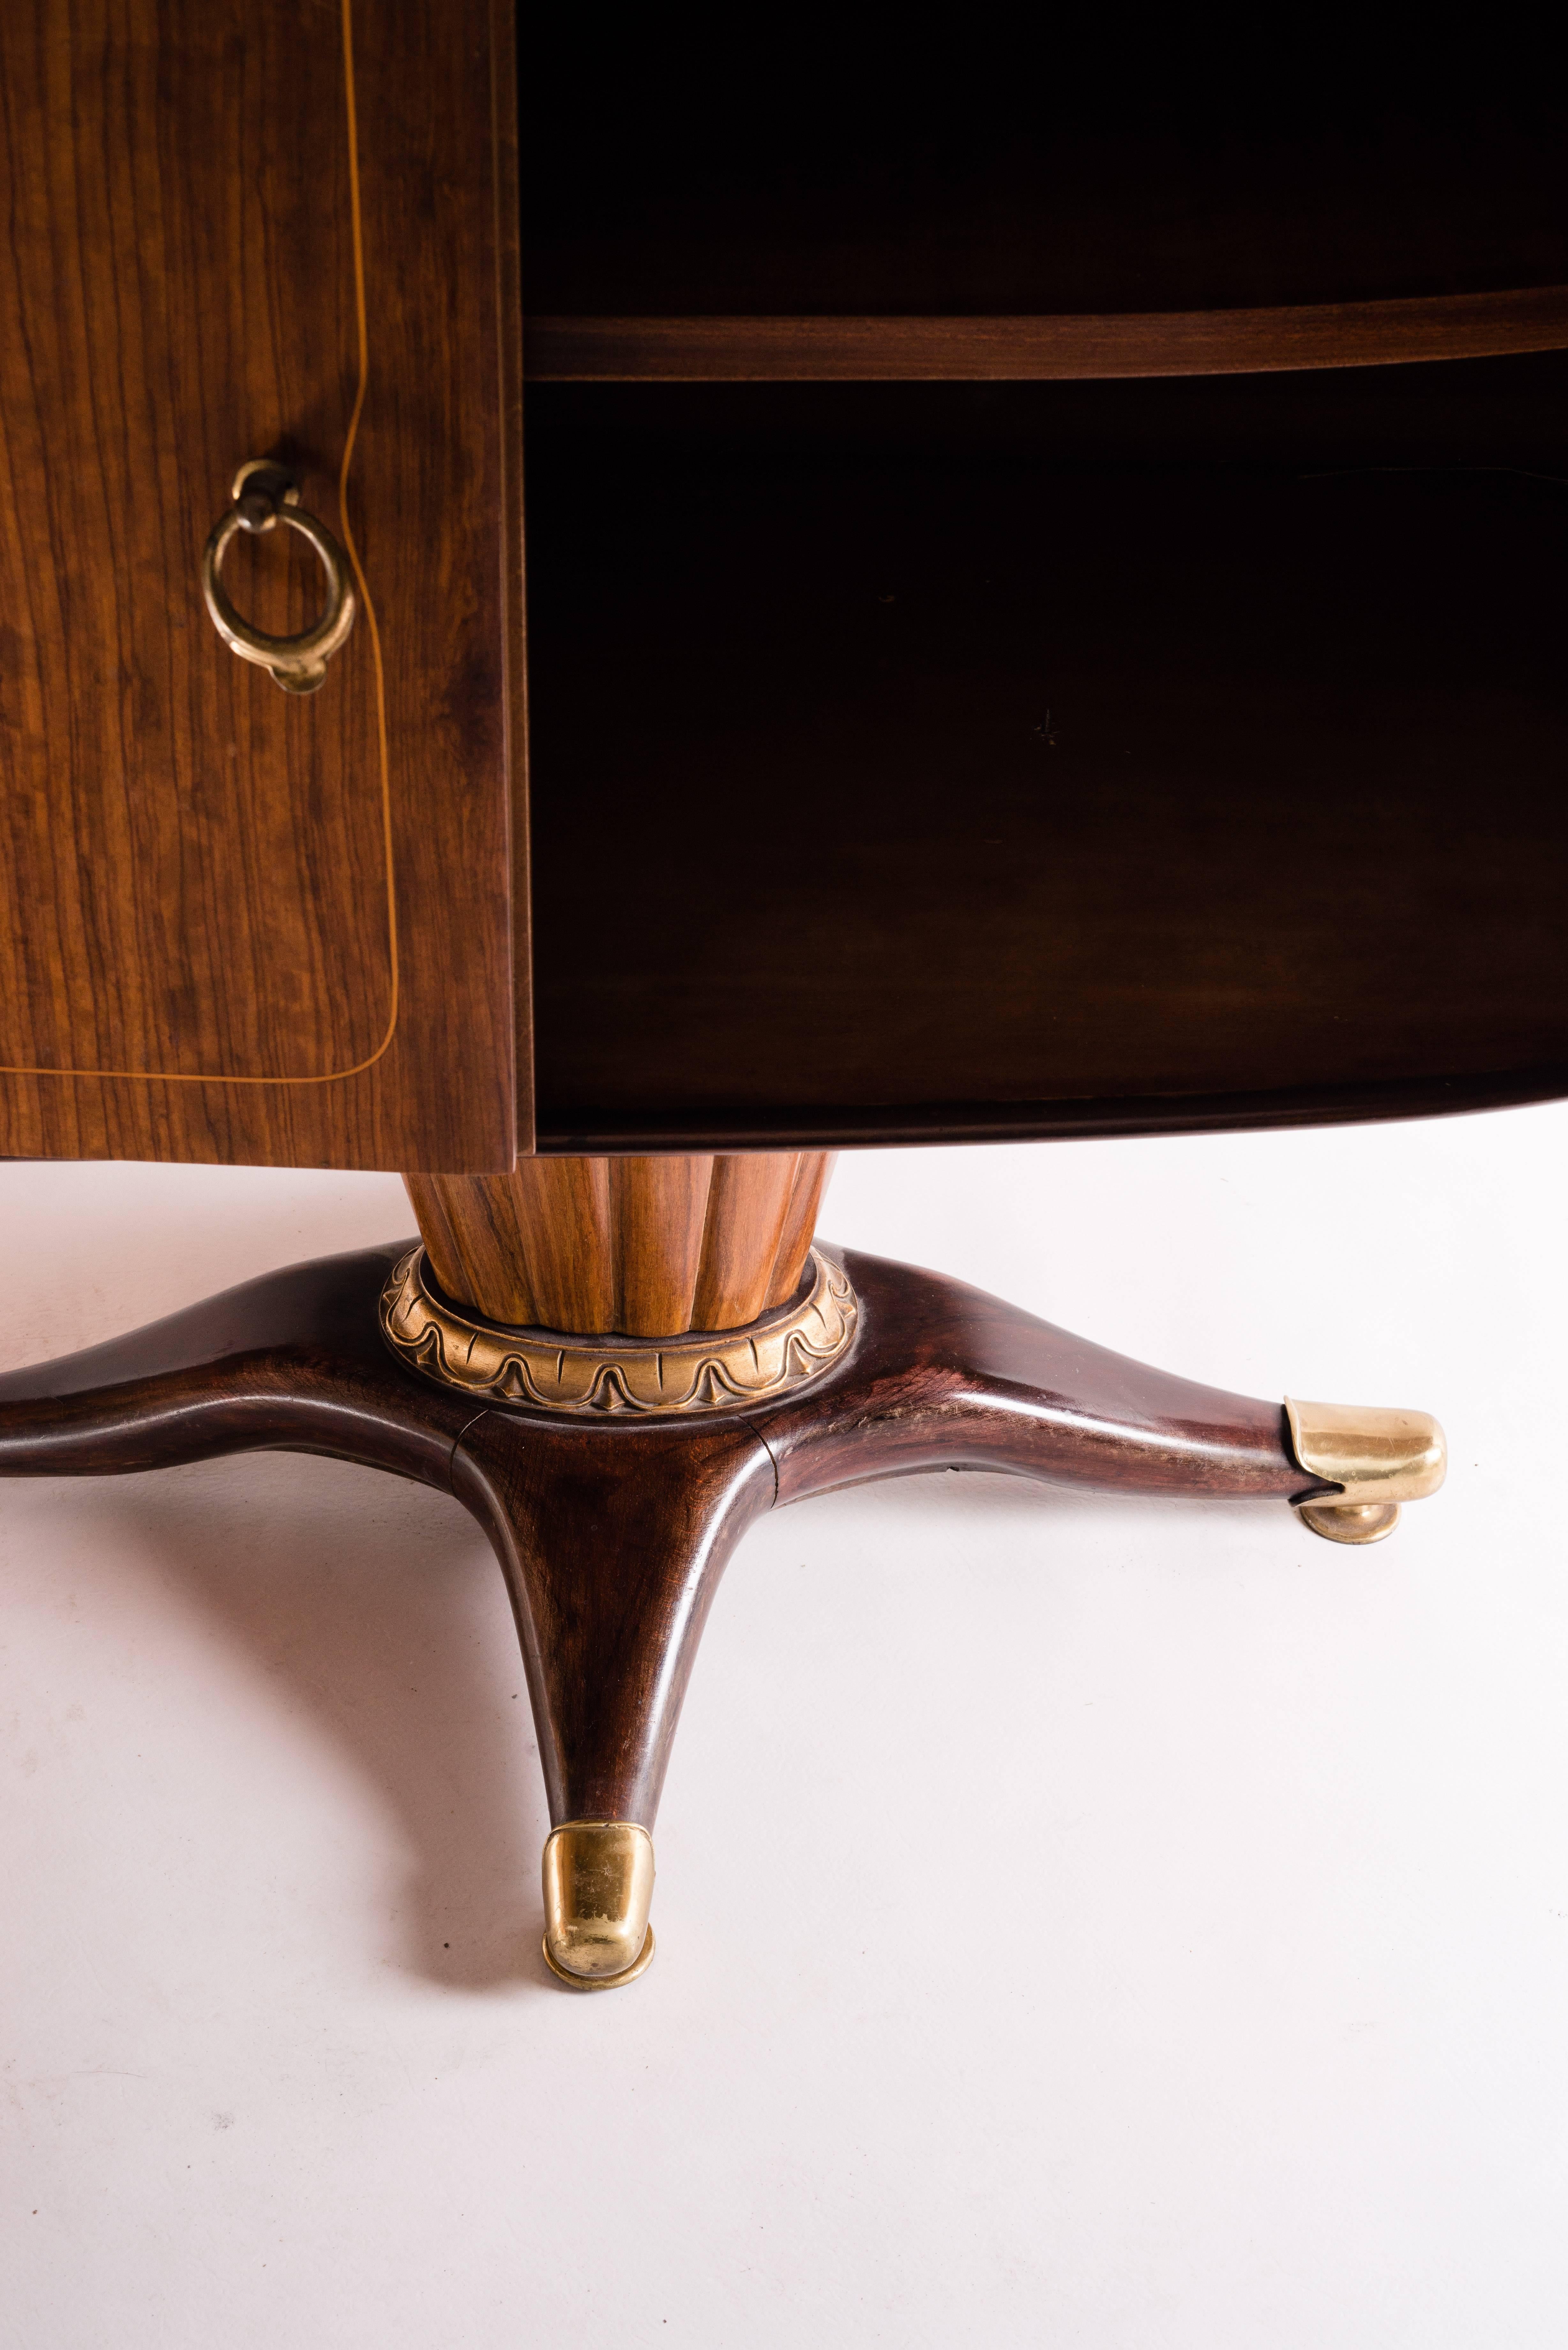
x=1012, y=350
x=1156, y=756
x=200, y=879
x=650, y=1246
x=944, y=1375
x=292, y=1361
x=612, y=1558
x=613, y=1538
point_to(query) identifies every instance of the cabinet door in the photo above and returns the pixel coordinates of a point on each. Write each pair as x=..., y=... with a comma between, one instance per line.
x=239, y=923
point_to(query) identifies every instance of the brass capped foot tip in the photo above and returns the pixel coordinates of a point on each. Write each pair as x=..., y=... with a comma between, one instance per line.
x=1350, y=1522
x=638, y=1966
x=598, y=1884
x=1375, y=1456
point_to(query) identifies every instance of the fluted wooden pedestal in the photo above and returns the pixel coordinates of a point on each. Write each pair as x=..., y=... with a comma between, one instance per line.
x=649, y=1246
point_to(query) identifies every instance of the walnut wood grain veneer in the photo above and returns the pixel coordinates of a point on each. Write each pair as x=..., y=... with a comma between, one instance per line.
x=237, y=925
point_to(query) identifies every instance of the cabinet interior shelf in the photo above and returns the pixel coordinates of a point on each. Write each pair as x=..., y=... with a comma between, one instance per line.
x=834, y=349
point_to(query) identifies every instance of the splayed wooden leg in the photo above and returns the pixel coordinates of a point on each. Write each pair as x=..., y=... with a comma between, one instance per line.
x=613, y=1500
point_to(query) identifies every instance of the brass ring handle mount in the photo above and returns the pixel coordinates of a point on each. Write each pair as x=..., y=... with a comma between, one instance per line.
x=264, y=494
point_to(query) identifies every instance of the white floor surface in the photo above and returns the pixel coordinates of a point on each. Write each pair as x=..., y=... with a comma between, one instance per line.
x=1081, y=1922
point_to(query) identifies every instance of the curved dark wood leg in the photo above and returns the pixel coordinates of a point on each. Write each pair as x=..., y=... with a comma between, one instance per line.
x=612, y=1541
x=944, y=1376
x=612, y=1532
x=292, y=1362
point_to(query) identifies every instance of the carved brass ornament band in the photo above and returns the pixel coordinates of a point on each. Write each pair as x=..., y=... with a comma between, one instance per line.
x=1378, y=1458
x=716, y=1370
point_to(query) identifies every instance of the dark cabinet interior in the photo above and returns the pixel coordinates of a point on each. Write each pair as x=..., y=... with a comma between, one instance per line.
x=1177, y=737
x=1049, y=757
x=1069, y=161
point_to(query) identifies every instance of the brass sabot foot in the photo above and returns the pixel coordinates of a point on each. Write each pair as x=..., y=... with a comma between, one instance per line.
x=598, y=1884
x=1378, y=1458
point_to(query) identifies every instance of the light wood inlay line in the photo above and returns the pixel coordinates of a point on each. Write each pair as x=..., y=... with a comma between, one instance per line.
x=1035, y=349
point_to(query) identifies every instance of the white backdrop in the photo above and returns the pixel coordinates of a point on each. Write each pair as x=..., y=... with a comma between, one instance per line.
x=1133, y=1926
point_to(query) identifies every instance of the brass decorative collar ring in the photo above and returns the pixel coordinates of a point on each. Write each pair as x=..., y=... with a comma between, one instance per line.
x=637, y=1379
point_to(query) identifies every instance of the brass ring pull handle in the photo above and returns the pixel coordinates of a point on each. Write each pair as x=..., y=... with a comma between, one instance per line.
x=265, y=494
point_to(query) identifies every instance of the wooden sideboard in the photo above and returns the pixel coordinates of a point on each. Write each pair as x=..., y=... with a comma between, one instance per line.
x=1042, y=618
x=1038, y=626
